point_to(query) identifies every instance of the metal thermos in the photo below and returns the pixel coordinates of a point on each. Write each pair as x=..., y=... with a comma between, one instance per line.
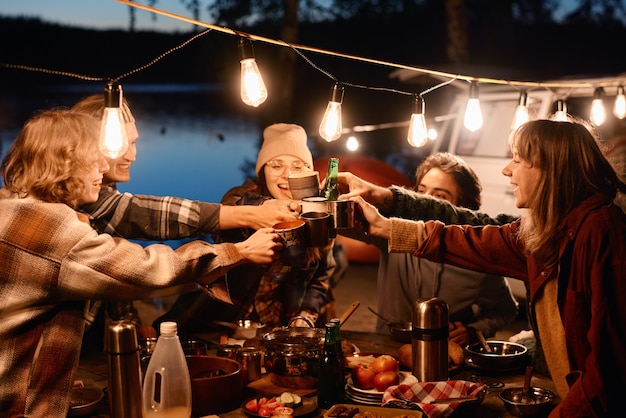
x=124, y=369
x=430, y=340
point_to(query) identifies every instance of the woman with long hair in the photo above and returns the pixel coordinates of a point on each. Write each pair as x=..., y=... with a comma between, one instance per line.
x=569, y=246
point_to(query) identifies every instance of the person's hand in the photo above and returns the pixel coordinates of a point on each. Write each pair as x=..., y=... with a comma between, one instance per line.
x=271, y=212
x=351, y=186
x=378, y=225
x=260, y=247
x=458, y=333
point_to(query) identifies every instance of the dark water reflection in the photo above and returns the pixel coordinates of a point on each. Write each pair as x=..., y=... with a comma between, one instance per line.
x=188, y=146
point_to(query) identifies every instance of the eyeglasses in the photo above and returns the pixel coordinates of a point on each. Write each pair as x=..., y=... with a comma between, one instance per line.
x=278, y=166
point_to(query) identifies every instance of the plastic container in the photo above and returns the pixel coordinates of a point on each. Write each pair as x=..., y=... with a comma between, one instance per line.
x=167, y=386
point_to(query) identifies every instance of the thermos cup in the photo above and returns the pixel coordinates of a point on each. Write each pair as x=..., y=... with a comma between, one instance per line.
x=430, y=340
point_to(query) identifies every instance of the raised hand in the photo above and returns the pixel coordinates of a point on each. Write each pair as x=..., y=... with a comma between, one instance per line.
x=261, y=247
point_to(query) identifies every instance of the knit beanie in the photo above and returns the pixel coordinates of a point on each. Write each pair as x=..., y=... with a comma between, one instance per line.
x=283, y=139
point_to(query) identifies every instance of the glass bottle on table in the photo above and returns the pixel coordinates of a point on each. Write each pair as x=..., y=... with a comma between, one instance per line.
x=340, y=355
x=331, y=380
x=331, y=187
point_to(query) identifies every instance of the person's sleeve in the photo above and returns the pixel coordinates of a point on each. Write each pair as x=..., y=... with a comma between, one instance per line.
x=151, y=217
x=497, y=306
x=408, y=204
x=316, y=295
x=470, y=247
x=102, y=267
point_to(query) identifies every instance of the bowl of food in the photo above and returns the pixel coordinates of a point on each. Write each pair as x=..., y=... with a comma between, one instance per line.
x=537, y=402
x=216, y=384
x=503, y=356
x=84, y=401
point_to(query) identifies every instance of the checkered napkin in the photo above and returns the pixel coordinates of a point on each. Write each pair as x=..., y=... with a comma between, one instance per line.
x=421, y=394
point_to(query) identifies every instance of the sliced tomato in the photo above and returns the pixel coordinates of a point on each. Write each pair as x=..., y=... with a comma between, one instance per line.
x=264, y=411
x=273, y=405
x=252, y=405
x=262, y=401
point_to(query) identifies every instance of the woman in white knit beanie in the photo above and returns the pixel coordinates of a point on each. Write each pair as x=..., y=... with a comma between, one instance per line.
x=284, y=151
x=276, y=293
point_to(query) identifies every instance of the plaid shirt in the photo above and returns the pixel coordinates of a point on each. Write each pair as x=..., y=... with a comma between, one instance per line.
x=51, y=263
x=151, y=217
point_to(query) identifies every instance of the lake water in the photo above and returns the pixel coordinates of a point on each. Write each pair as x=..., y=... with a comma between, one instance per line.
x=188, y=146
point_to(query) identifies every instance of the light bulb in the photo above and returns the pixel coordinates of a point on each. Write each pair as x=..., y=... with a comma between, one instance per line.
x=331, y=126
x=113, y=140
x=418, y=133
x=253, y=90
x=521, y=111
x=619, y=110
x=598, y=114
x=473, y=120
x=561, y=112
x=352, y=144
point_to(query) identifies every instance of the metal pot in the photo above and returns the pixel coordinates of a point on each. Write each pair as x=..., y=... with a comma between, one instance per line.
x=505, y=356
x=292, y=356
x=400, y=331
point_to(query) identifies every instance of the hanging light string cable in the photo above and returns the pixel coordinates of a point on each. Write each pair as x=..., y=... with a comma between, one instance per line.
x=88, y=78
x=526, y=84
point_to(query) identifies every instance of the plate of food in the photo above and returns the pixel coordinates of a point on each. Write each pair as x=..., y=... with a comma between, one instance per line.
x=403, y=378
x=286, y=404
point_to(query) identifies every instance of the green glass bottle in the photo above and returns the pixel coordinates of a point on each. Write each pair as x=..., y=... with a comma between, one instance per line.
x=331, y=187
x=331, y=381
x=341, y=359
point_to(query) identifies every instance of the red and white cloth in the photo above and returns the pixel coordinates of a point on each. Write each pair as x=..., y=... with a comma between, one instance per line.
x=421, y=394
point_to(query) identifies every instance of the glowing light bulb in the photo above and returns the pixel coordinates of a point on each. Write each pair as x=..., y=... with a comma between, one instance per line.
x=521, y=111
x=473, y=120
x=561, y=112
x=598, y=113
x=253, y=90
x=113, y=140
x=418, y=133
x=352, y=144
x=619, y=110
x=331, y=125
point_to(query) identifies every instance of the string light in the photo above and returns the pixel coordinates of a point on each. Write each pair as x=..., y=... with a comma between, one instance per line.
x=352, y=144
x=473, y=120
x=473, y=116
x=113, y=140
x=561, y=112
x=619, y=110
x=418, y=133
x=598, y=113
x=521, y=111
x=331, y=126
x=253, y=90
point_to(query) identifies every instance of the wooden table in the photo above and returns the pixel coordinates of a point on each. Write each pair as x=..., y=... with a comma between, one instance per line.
x=93, y=371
